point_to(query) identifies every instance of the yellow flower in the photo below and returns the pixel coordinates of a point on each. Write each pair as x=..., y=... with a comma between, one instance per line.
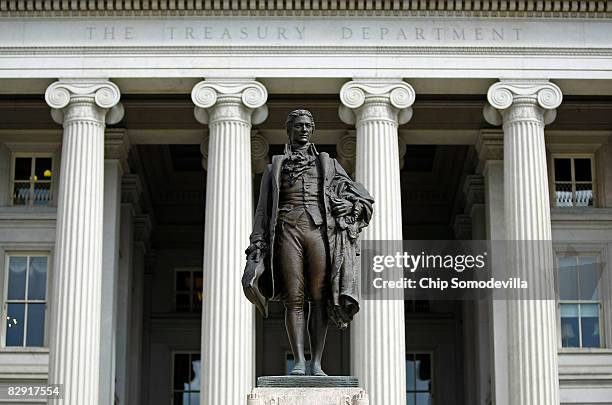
x=47, y=173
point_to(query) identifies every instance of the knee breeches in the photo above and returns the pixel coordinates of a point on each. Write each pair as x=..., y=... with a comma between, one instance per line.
x=301, y=259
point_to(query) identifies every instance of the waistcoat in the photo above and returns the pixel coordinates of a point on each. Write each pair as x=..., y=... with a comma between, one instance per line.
x=303, y=196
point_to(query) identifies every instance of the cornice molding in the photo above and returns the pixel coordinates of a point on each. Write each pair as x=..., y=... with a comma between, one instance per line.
x=490, y=8
x=161, y=51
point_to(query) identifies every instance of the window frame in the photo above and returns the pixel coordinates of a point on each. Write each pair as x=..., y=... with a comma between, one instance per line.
x=572, y=157
x=598, y=251
x=172, y=354
x=52, y=182
x=192, y=270
x=4, y=288
x=431, y=391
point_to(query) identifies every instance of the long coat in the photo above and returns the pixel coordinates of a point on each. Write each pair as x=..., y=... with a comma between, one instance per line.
x=266, y=218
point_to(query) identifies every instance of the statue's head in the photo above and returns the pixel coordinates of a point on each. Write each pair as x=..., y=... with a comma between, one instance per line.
x=300, y=127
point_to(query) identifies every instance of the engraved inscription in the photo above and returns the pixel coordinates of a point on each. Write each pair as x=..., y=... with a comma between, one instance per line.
x=437, y=34
x=200, y=31
x=110, y=33
x=390, y=34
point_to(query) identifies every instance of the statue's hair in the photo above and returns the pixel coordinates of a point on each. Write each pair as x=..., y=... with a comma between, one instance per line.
x=297, y=113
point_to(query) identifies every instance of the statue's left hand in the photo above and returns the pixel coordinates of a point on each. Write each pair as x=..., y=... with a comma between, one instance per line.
x=340, y=207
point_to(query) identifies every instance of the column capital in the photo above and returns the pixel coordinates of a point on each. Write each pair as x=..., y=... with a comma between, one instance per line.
x=259, y=151
x=346, y=149
x=230, y=99
x=93, y=99
x=395, y=94
x=530, y=99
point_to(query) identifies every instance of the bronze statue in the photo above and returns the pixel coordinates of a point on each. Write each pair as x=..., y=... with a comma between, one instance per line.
x=304, y=241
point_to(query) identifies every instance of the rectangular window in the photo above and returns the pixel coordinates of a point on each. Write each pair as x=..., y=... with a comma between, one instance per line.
x=573, y=181
x=580, y=305
x=186, y=379
x=188, y=290
x=32, y=180
x=26, y=300
x=419, y=387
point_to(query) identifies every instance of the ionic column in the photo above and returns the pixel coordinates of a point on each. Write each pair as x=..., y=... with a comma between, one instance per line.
x=378, y=353
x=83, y=107
x=229, y=107
x=524, y=108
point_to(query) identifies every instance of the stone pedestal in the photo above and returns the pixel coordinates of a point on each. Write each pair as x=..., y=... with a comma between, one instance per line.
x=308, y=396
x=308, y=390
x=293, y=381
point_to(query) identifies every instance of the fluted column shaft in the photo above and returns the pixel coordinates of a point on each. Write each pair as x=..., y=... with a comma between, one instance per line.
x=81, y=106
x=525, y=107
x=228, y=321
x=378, y=353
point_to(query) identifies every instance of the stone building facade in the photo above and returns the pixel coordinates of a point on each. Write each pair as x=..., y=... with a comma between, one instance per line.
x=133, y=134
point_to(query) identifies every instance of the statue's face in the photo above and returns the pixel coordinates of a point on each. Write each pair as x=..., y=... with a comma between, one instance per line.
x=301, y=130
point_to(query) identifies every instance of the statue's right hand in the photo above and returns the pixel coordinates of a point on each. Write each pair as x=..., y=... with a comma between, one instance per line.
x=254, y=255
x=255, y=251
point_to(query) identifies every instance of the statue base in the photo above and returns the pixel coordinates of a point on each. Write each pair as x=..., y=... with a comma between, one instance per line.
x=294, y=381
x=307, y=390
